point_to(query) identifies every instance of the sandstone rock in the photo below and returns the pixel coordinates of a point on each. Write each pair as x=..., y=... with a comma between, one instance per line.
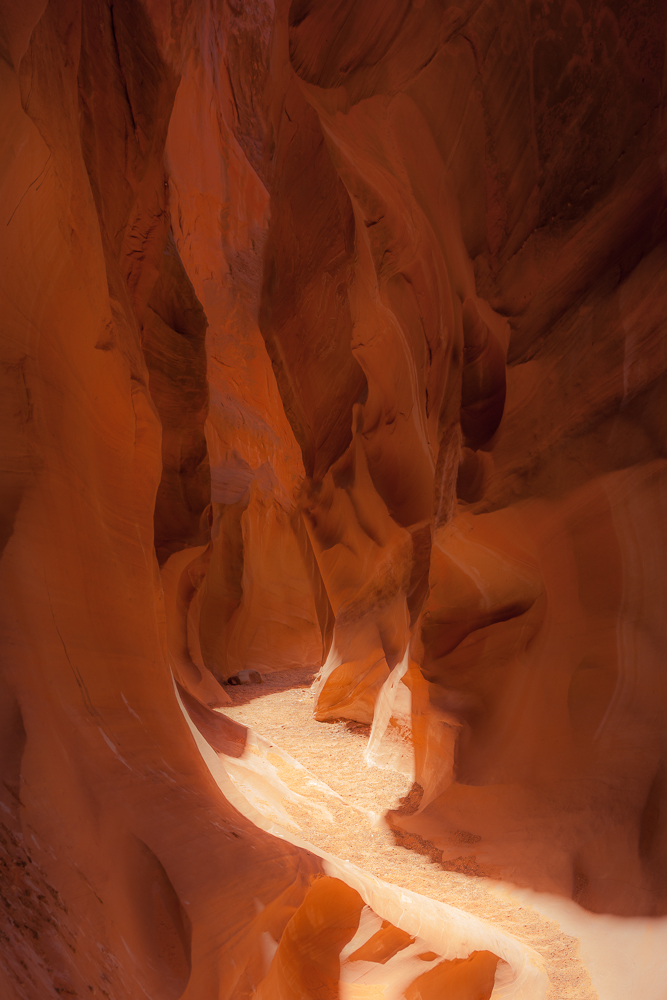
x=245, y=677
x=333, y=335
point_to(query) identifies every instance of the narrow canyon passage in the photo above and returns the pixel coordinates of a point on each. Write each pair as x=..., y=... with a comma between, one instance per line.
x=333, y=352
x=342, y=815
x=315, y=783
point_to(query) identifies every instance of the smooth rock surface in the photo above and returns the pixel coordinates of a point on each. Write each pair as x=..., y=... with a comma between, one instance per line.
x=333, y=338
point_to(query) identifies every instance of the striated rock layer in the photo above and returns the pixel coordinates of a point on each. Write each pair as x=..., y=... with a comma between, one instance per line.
x=332, y=335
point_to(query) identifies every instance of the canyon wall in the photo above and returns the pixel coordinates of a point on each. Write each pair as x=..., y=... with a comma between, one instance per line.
x=333, y=334
x=497, y=178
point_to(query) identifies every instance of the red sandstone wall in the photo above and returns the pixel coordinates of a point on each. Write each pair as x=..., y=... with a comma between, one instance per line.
x=502, y=273
x=355, y=312
x=123, y=867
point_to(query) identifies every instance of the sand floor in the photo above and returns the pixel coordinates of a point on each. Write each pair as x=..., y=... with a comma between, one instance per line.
x=344, y=819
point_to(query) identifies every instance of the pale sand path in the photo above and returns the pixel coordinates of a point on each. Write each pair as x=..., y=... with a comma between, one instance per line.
x=348, y=824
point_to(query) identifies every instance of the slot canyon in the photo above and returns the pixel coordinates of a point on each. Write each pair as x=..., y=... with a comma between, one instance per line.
x=333, y=500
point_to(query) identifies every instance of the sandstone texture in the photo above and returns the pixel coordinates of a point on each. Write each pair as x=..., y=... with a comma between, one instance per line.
x=333, y=340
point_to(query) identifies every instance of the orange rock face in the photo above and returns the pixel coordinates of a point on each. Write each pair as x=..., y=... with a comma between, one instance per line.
x=332, y=335
x=505, y=297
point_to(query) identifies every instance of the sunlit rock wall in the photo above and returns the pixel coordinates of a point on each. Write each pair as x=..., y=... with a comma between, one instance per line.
x=331, y=334
x=486, y=498
x=124, y=869
x=255, y=606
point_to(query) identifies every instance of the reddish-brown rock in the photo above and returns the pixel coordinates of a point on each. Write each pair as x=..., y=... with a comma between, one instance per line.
x=504, y=175
x=332, y=334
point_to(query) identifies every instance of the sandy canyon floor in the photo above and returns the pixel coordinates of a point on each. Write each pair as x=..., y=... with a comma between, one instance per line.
x=333, y=800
